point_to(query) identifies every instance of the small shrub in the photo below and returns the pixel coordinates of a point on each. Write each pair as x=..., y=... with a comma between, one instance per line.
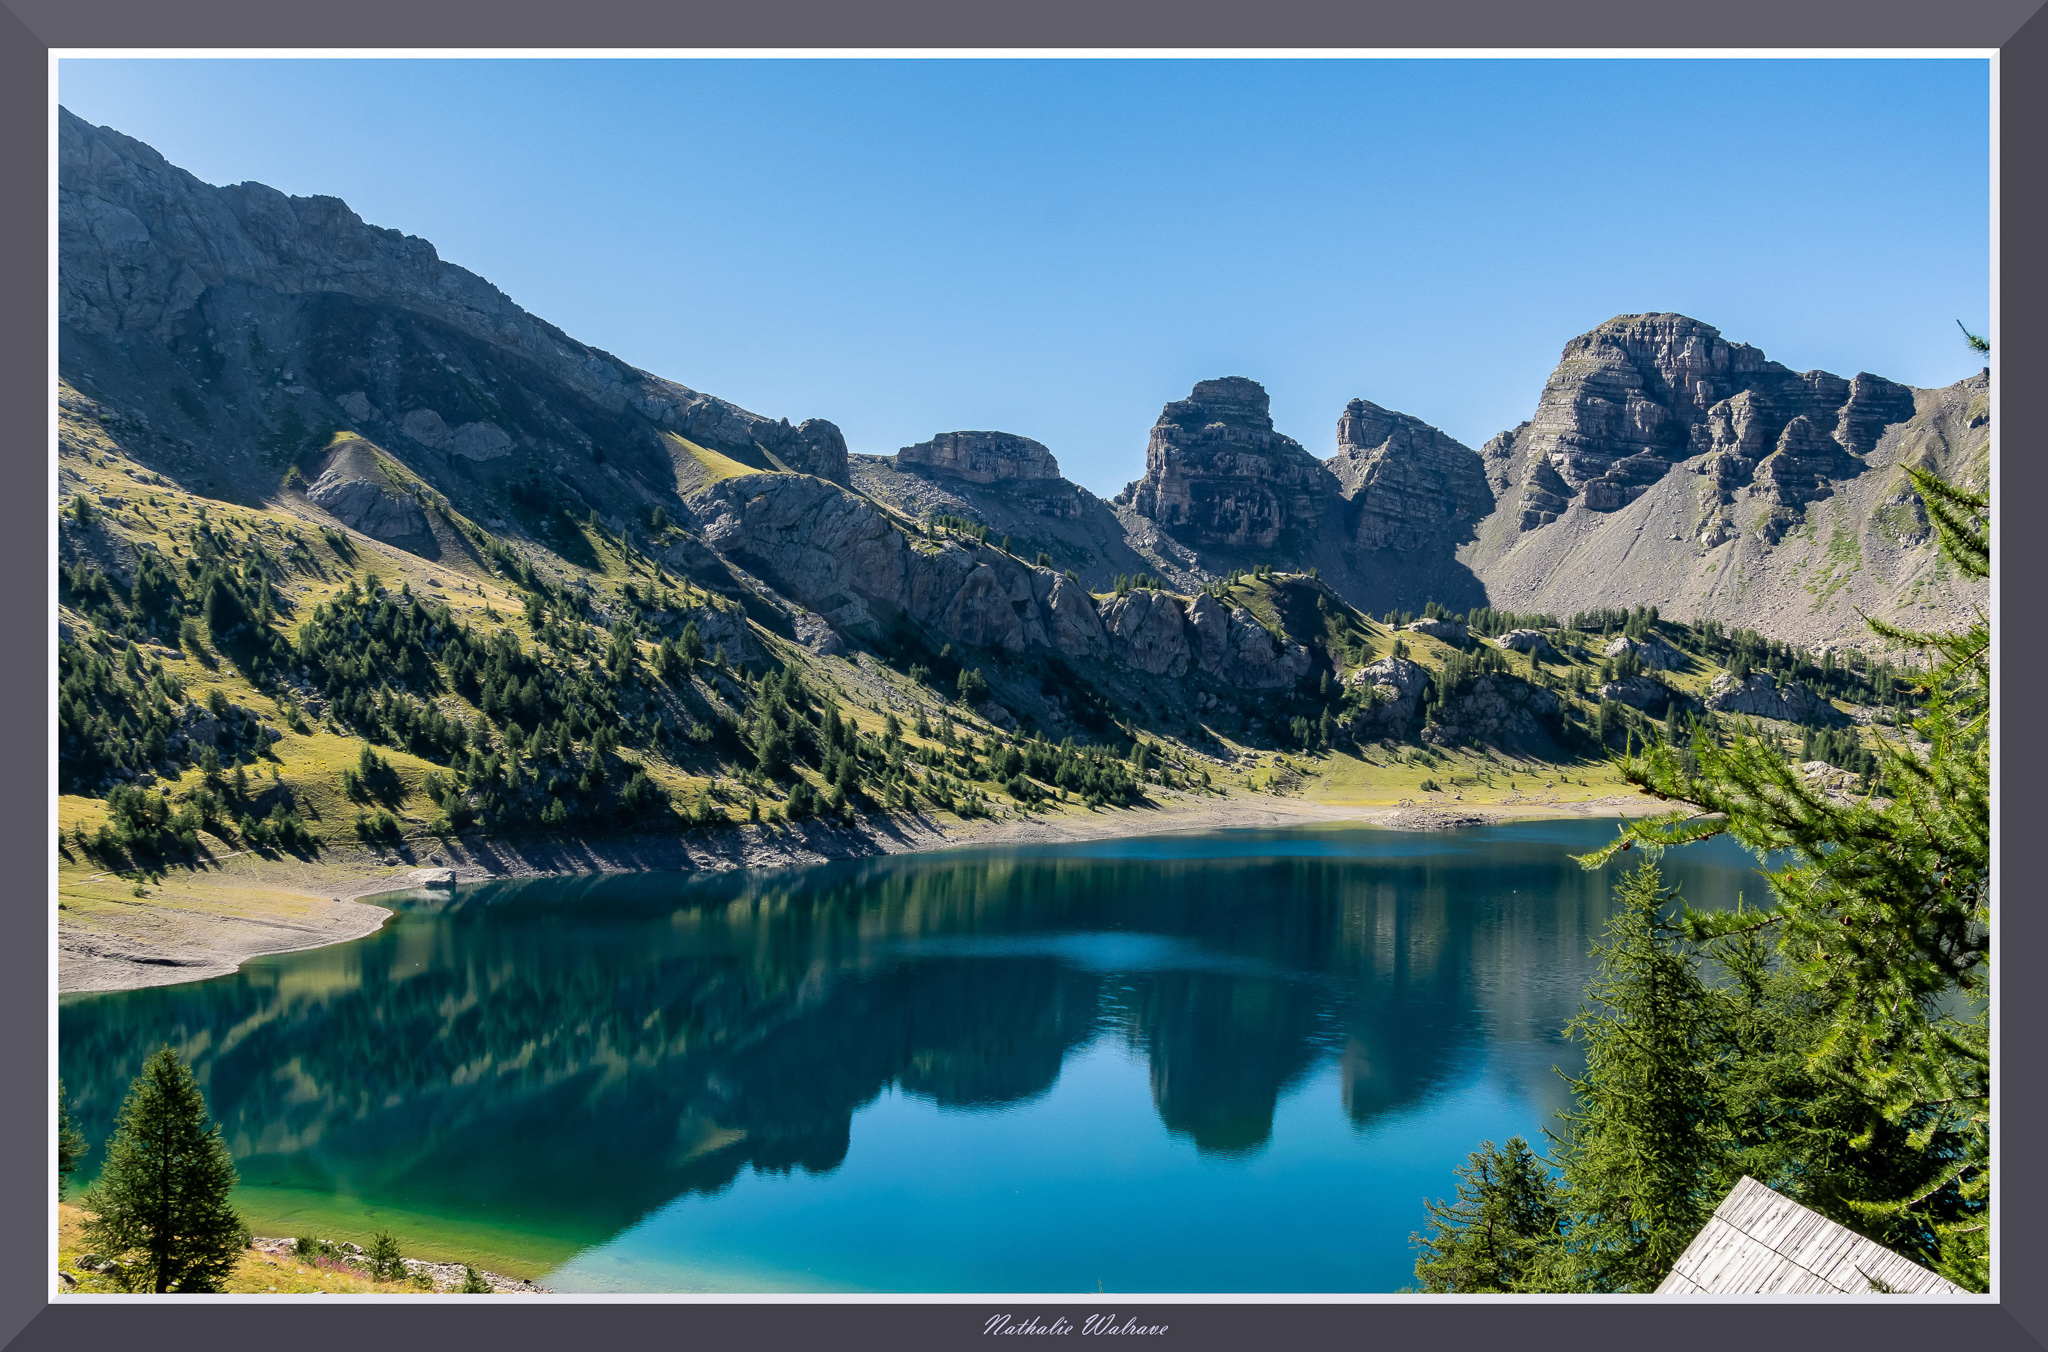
x=385, y=1263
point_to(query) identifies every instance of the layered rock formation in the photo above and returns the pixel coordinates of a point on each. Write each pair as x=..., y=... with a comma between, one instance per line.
x=1667, y=466
x=1012, y=485
x=1410, y=487
x=840, y=556
x=1641, y=393
x=238, y=326
x=981, y=457
x=1218, y=476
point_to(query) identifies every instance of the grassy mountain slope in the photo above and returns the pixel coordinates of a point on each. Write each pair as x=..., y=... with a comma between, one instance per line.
x=245, y=680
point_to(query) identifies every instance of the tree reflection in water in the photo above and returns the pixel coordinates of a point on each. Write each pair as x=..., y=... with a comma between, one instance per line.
x=578, y=1052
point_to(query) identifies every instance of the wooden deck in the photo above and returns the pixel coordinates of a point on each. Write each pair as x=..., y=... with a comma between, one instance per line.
x=1762, y=1242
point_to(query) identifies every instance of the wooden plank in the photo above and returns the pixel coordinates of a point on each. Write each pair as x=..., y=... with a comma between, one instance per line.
x=1760, y=1242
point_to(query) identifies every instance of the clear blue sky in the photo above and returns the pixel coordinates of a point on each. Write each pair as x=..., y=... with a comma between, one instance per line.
x=1058, y=247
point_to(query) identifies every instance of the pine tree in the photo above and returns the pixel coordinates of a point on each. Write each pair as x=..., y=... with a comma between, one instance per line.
x=1643, y=1136
x=71, y=1146
x=1498, y=1231
x=161, y=1202
x=1883, y=908
x=473, y=1283
x=386, y=1265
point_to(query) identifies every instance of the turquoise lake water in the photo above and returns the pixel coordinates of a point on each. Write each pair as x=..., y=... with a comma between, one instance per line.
x=1236, y=1061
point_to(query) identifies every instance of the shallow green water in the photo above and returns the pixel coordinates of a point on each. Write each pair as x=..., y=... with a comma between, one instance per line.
x=1230, y=1062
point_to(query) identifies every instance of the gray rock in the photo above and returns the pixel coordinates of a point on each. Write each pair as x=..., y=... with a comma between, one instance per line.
x=1218, y=475
x=818, y=447
x=1396, y=685
x=431, y=877
x=981, y=457
x=1149, y=632
x=358, y=406
x=1410, y=486
x=1638, y=692
x=1494, y=710
x=373, y=509
x=426, y=427
x=479, y=441
x=1448, y=631
x=1525, y=641
x=1641, y=393
x=144, y=246
x=1762, y=697
x=1655, y=653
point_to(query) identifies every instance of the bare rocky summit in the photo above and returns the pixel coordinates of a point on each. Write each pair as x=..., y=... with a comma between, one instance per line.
x=1410, y=487
x=246, y=335
x=1641, y=393
x=981, y=457
x=1218, y=476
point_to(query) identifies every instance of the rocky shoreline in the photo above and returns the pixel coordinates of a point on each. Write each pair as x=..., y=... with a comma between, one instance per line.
x=332, y=902
x=445, y=1277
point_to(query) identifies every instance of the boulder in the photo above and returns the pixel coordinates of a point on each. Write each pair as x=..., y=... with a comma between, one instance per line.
x=479, y=441
x=1655, y=654
x=1525, y=641
x=1762, y=697
x=1638, y=692
x=1447, y=631
x=372, y=508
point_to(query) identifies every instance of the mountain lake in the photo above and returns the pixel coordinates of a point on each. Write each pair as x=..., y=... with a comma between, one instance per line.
x=1227, y=1062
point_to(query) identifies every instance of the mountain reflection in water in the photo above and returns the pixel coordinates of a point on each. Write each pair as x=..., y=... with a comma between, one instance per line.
x=571, y=1055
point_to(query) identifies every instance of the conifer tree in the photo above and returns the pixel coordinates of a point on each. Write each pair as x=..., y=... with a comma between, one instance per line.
x=386, y=1265
x=1643, y=1136
x=71, y=1145
x=1499, y=1230
x=161, y=1202
x=1883, y=908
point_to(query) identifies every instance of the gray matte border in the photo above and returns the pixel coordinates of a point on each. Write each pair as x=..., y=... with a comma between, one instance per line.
x=28, y=28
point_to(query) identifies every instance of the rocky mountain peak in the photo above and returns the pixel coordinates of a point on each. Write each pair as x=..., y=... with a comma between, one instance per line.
x=1218, y=475
x=1409, y=485
x=1233, y=401
x=163, y=276
x=818, y=447
x=1639, y=394
x=982, y=457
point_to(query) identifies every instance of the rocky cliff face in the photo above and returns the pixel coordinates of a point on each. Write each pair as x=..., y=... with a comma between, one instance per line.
x=1410, y=487
x=1641, y=393
x=819, y=447
x=1218, y=476
x=839, y=555
x=1667, y=466
x=241, y=330
x=241, y=323
x=981, y=457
